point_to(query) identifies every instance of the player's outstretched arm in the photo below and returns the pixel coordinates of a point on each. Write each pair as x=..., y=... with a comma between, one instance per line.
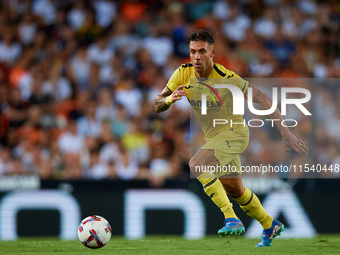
x=288, y=139
x=166, y=98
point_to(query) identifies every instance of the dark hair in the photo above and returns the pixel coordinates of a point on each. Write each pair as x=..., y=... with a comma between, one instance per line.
x=201, y=35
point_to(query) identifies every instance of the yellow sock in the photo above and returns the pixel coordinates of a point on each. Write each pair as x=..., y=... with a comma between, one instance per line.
x=252, y=206
x=214, y=189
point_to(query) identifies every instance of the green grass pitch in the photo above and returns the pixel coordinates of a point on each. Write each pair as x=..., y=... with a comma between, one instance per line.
x=323, y=244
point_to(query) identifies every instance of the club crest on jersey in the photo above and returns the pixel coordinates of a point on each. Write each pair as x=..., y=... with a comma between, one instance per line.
x=213, y=93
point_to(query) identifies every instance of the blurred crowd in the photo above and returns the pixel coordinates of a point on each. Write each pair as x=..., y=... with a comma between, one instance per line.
x=78, y=79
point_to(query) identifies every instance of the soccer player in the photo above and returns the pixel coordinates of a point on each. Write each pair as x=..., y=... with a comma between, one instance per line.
x=223, y=143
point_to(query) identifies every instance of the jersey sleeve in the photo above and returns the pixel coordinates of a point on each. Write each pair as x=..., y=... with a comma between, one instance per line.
x=239, y=82
x=174, y=81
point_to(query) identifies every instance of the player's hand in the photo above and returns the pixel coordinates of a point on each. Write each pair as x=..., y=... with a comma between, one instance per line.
x=292, y=142
x=178, y=93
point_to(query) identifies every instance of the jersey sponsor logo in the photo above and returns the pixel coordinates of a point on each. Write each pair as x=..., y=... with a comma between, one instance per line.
x=229, y=76
x=210, y=104
x=228, y=143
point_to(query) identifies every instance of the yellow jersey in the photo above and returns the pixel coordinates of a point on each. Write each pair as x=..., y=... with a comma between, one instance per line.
x=219, y=102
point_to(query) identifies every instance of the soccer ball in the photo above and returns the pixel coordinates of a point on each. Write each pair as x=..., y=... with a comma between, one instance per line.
x=94, y=232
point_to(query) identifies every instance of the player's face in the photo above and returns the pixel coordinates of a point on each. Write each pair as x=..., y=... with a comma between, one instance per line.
x=201, y=56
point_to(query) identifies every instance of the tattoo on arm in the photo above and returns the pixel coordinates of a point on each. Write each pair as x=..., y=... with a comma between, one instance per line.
x=287, y=142
x=160, y=104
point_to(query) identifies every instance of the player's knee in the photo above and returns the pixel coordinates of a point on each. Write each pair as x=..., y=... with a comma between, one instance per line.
x=195, y=167
x=193, y=163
